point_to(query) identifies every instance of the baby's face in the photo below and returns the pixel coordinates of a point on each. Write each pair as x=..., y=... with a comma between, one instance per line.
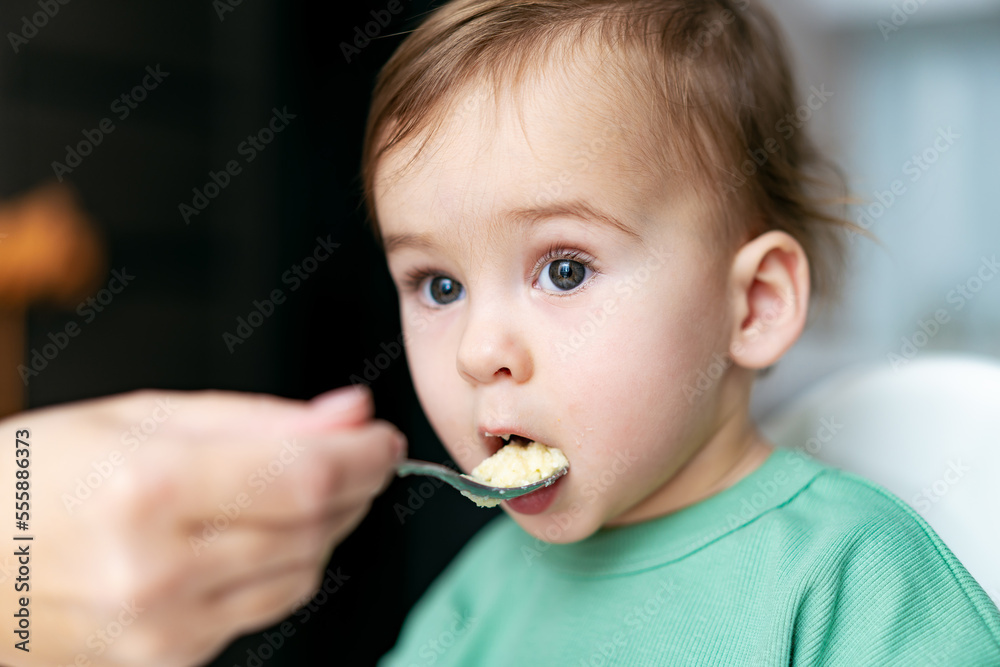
x=548, y=291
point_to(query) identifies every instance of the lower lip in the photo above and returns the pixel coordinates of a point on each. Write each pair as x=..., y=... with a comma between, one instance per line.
x=535, y=502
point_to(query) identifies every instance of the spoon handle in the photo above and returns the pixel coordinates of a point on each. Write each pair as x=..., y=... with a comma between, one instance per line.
x=466, y=483
x=413, y=467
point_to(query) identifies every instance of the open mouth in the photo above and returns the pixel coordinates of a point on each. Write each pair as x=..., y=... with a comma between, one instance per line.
x=498, y=441
x=518, y=462
x=518, y=459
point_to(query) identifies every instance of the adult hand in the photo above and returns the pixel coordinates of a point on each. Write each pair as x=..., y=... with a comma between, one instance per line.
x=167, y=523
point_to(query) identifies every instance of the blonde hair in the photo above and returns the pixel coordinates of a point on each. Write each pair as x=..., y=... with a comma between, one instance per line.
x=706, y=85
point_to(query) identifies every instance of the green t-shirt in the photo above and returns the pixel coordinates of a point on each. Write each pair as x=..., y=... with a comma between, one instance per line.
x=796, y=564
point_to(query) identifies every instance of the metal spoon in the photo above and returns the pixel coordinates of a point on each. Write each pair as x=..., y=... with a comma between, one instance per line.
x=469, y=486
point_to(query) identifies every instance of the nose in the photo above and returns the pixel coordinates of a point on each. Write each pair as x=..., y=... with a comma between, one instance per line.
x=493, y=346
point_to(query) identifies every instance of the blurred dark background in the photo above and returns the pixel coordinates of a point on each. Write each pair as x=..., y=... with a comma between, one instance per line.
x=229, y=66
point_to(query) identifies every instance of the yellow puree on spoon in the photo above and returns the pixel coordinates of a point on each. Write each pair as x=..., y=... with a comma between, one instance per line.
x=516, y=465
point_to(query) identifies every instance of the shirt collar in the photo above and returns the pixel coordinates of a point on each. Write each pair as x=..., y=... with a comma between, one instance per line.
x=640, y=546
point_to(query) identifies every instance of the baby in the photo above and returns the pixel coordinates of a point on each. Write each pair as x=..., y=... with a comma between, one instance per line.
x=585, y=205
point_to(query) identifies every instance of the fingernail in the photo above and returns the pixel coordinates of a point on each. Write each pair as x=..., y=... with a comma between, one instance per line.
x=341, y=399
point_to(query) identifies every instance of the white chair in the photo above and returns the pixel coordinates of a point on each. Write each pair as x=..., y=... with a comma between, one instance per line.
x=929, y=432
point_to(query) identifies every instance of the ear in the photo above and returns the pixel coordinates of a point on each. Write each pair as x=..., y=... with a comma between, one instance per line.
x=769, y=288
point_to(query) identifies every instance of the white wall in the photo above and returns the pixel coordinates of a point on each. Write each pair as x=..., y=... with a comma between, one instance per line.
x=895, y=92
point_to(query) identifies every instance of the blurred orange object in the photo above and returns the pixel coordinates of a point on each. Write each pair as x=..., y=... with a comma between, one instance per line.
x=49, y=253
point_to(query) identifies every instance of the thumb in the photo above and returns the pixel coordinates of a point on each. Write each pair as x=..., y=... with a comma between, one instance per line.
x=339, y=408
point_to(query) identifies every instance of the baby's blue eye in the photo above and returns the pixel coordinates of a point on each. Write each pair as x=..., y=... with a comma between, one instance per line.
x=563, y=275
x=442, y=290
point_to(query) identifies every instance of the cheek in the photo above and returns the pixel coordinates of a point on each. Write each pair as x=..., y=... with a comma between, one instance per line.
x=631, y=392
x=426, y=346
x=632, y=396
x=649, y=348
x=428, y=364
x=440, y=392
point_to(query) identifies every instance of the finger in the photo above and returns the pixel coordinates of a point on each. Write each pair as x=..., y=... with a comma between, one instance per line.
x=168, y=637
x=234, y=412
x=237, y=557
x=242, y=565
x=251, y=608
x=270, y=599
x=213, y=560
x=294, y=480
x=344, y=406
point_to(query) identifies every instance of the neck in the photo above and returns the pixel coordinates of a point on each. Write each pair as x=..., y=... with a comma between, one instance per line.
x=734, y=450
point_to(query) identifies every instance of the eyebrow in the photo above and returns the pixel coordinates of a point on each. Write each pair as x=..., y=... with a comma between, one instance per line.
x=526, y=216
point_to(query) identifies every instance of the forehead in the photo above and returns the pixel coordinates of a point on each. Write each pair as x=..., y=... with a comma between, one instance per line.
x=551, y=140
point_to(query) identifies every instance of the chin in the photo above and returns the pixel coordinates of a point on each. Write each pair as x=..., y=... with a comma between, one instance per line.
x=557, y=527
